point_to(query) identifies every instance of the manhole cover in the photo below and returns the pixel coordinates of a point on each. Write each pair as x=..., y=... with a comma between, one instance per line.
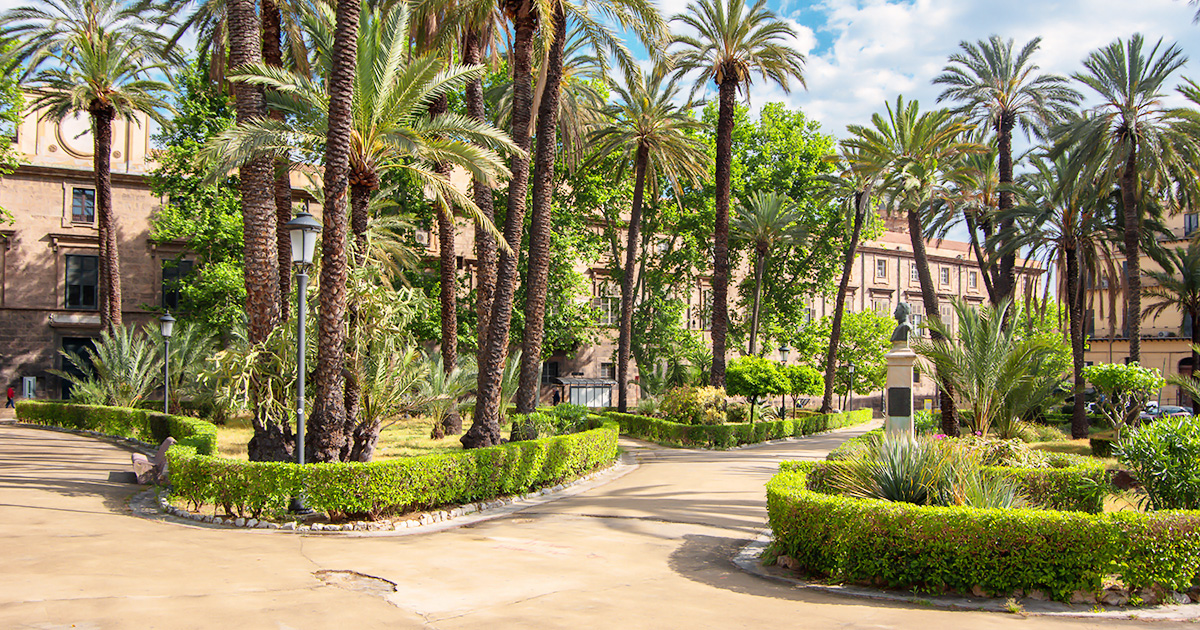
x=355, y=581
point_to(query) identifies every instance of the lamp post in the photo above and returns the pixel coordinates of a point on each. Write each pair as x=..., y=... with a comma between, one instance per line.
x=850, y=389
x=783, y=357
x=166, y=326
x=304, y=229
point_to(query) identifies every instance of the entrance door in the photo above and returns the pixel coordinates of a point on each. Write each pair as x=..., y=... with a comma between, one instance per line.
x=78, y=346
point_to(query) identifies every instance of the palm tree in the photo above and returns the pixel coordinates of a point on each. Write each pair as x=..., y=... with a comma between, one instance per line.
x=854, y=187
x=1134, y=141
x=974, y=198
x=122, y=369
x=908, y=151
x=92, y=56
x=1178, y=286
x=1004, y=91
x=648, y=129
x=765, y=220
x=733, y=41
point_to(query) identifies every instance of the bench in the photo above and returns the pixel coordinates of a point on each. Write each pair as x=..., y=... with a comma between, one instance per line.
x=153, y=470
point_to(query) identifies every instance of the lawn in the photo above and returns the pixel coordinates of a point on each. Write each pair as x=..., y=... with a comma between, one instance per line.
x=403, y=439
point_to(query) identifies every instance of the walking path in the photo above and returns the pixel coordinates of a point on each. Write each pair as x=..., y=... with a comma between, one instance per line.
x=651, y=549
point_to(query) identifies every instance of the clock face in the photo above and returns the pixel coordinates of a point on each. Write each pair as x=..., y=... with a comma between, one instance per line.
x=75, y=135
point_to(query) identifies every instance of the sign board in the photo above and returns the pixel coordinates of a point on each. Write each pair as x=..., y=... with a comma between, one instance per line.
x=28, y=386
x=899, y=402
x=929, y=405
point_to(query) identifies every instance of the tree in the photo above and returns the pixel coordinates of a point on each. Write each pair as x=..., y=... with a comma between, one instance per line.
x=93, y=56
x=732, y=41
x=765, y=220
x=1126, y=388
x=864, y=343
x=648, y=129
x=1003, y=91
x=803, y=380
x=754, y=377
x=1133, y=141
x=1177, y=286
x=909, y=150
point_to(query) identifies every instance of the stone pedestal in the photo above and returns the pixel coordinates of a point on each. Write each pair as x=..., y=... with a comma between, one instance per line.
x=899, y=390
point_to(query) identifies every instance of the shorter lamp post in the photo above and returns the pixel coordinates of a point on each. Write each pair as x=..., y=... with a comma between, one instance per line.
x=166, y=326
x=783, y=357
x=850, y=389
x=304, y=229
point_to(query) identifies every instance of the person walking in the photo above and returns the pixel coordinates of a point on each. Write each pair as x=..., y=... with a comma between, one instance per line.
x=12, y=393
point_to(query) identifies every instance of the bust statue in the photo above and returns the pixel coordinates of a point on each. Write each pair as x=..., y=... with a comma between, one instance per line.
x=903, y=325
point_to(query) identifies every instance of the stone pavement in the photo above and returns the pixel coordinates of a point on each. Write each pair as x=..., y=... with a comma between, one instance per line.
x=651, y=549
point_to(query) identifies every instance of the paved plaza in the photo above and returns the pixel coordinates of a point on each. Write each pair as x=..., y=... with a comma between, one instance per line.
x=650, y=549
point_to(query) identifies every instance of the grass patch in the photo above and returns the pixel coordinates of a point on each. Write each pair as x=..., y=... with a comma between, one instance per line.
x=405, y=438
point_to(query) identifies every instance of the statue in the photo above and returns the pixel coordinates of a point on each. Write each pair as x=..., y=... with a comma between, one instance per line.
x=903, y=325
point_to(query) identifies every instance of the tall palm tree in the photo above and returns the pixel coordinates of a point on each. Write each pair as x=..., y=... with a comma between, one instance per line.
x=765, y=220
x=732, y=42
x=93, y=56
x=854, y=187
x=973, y=200
x=1177, y=286
x=1133, y=140
x=1004, y=91
x=909, y=150
x=647, y=128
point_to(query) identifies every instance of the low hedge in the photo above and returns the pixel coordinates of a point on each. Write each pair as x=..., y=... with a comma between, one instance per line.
x=140, y=424
x=1001, y=551
x=392, y=486
x=721, y=436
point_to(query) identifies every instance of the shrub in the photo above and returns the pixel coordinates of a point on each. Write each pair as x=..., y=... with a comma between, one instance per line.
x=695, y=405
x=531, y=426
x=648, y=405
x=960, y=548
x=755, y=378
x=803, y=380
x=139, y=424
x=570, y=418
x=737, y=412
x=391, y=486
x=1165, y=458
x=730, y=435
x=1126, y=387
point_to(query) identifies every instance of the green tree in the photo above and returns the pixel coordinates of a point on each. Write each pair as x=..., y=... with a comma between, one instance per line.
x=803, y=380
x=1177, y=287
x=732, y=41
x=755, y=377
x=93, y=56
x=1134, y=141
x=1126, y=388
x=864, y=343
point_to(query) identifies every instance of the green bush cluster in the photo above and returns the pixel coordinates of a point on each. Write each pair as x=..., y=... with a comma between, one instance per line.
x=1165, y=457
x=958, y=548
x=140, y=424
x=557, y=420
x=723, y=436
x=695, y=405
x=392, y=486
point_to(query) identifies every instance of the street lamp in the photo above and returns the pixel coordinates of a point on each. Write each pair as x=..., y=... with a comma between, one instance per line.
x=304, y=230
x=783, y=357
x=850, y=388
x=166, y=326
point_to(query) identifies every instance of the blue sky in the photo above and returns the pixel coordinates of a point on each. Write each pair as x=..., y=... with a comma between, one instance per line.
x=862, y=53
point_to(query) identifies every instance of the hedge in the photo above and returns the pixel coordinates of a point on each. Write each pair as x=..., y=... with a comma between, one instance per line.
x=140, y=424
x=722, y=436
x=391, y=486
x=999, y=550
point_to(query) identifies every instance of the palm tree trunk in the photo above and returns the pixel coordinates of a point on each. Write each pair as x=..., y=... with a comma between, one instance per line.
x=625, y=337
x=1133, y=270
x=485, y=426
x=760, y=262
x=106, y=224
x=538, y=262
x=1195, y=315
x=1079, y=421
x=272, y=440
x=485, y=243
x=930, y=301
x=980, y=263
x=357, y=433
x=452, y=423
x=273, y=56
x=327, y=436
x=835, y=335
x=1008, y=262
x=720, y=281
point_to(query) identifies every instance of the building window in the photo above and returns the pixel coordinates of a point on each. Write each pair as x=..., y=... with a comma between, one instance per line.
x=880, y=306
x=880, y=268
x=83, y=205
x=173, y=273
x=809, y=314
x=591, y=395
x=1191, y=222
x=83, y=279
x=913, y=274
x=549, y=371
x=706, y=302
x=972, y=280
x=608, y=370
x=607, y=303
x=916, y=374
x=945, y=275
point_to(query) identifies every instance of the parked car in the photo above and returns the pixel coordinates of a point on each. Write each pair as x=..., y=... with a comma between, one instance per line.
x=1154, y=411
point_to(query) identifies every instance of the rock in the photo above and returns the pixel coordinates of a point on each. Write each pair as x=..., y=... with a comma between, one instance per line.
x=1194, y=593
x=262, y=525
x=1114, y=597
x=1082, y=597
x=1149, y=596
x=978, y=591
x=252, y=522
x=316, y=527
x=239, y=522
x=217, y=520
x=787, y=562
x=1036, y=594
x=1124, y=480
x=290, y=526
x=269, y=525
x=1175, y=597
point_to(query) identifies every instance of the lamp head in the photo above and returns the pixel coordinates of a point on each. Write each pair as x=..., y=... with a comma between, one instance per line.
x=166, y=325
x=304, y=230
x=783, y=352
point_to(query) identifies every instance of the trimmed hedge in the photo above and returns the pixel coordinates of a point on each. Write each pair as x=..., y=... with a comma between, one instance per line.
x=722, y=436
x=1001, y=551
x=139, y=424
x=392, y=486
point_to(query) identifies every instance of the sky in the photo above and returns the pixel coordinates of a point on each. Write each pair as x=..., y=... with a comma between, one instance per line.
x=863, y=53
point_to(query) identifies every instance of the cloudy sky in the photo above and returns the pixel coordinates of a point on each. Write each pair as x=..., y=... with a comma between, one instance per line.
x=862, y=53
